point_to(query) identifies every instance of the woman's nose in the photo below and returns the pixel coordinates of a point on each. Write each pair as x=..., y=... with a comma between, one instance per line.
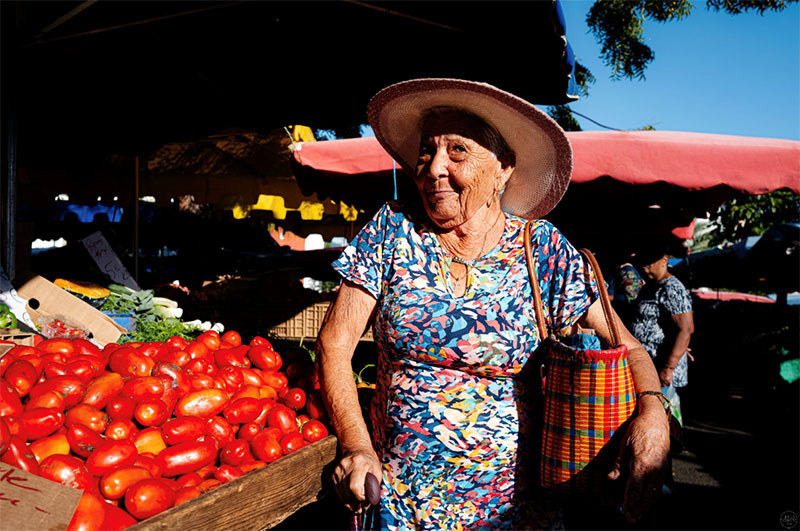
x=439, y=164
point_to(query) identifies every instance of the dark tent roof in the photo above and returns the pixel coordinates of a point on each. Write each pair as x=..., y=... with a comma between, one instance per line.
x=84, y=78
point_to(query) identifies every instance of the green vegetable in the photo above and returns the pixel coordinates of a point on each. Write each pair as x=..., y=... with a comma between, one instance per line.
x=4, y=309
x=8, y=320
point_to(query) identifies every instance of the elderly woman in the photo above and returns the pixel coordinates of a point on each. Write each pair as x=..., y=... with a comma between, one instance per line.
x=446, y=284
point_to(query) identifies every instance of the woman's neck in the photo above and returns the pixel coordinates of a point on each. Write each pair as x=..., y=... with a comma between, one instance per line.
x=478, y=235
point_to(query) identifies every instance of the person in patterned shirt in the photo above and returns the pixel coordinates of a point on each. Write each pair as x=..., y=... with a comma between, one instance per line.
x=442, y=276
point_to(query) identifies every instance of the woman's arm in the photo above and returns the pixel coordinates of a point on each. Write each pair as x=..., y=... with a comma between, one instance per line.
x=647, y=440
x=685, y=323
x=341, y=329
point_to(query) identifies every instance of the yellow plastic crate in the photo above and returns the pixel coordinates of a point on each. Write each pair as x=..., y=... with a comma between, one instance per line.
x=306, y=324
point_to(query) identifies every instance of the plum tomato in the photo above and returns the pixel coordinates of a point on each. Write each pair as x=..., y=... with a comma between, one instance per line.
x=88, y=416
x=19, y=455
x=116, y=481
x=283, y=418
x=314, y=430
x=235, y=452
x=242, y=411
x=41, y=421
x=264, y=357
x=291, y=442
x=67, y=470
x=205, y=403
x=295, y=398
x=232, y=337
x=102, y=389
x=88, y=514
x=265, y=447
x=186, y=457
x=120, y=407
x=129, y=362
x=111, y=454
x=148, y=497
x=83, y=440
x=184, y=428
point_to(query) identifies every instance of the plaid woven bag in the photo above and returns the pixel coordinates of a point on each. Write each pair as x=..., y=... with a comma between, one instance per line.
x=587, y=397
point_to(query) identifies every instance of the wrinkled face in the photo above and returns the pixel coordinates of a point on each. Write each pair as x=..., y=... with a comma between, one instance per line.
x=656, y=270
x=456, y=174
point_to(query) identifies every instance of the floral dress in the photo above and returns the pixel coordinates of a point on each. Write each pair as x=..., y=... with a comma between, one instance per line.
x=449, y=419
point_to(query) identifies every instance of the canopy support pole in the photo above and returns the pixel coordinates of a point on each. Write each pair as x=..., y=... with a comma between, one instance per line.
x=136, y=221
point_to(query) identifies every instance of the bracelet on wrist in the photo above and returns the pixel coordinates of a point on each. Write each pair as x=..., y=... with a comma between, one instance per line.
x=664, y=400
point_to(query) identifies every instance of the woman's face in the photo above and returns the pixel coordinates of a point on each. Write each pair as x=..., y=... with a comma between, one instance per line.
x=657, y=270
x=456, y=175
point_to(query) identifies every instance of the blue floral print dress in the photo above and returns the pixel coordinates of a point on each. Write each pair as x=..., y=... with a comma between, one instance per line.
x=449, y=419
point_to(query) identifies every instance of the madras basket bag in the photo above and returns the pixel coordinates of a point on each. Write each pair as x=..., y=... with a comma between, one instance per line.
x=587, y=397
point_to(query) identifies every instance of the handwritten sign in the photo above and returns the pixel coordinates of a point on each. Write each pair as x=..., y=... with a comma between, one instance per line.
x=28, y=502
x=108, y=261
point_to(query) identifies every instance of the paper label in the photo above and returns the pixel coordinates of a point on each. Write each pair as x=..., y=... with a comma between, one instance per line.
x=108, y=261
x=29, y=502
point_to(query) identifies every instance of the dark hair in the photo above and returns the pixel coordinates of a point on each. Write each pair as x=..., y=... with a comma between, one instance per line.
x=490, y=138
x=650, y=252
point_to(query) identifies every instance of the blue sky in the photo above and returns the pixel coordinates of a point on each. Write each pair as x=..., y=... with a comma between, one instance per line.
x=712, y=73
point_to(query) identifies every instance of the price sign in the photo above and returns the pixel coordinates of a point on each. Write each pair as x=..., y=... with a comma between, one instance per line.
x=108, y=261
x=28, y=502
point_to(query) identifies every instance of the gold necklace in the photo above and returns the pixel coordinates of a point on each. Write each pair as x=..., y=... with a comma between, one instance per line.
x=466, y=263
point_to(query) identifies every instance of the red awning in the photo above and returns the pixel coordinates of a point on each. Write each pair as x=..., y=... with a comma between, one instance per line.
x=730, y=296
x=694, y=161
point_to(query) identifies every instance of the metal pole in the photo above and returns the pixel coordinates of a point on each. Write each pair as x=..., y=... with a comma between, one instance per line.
x=8, y=172
x=136, y=223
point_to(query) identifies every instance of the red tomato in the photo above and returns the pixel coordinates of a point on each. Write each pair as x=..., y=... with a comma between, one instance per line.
x=283, y=418
x=200, y=366
x=150, y=463
x=232, y=376
x=205, y=403
x=201, y=381
x=119, y=429
x=143, y=388
x=55, y=368
x=86, y=347
x=274, y=432
x=260, y=341
x=57, y=346
x=266, y=448
x=207, y=485
x=14, y=425
x=235, y=452
x=247, y=466
x=128, y=362
x=264, y=357
x=226, y=473
x=236, y=356
x=251, y=377
x=9, y=400
x=196, y=350
x=177, y=343
x=178, y=357
x=120, y=407
x=111, y=454
x=19, y=455
x=314, y=430
x=186, y=457
x=266, y=404
x=85, y=367
x=295, y=398
x=102, y=389
x=67, y=470
x=232, y=338
x=116, y=519
x=276, y=380
x=192, y=479
x=248, y=431
x=151, y=412
x=116, y=481
x=246, y=391
x=210, y=339
x=83, y=440
x=291, y=442
x=181, y=429
x=242, y=411
x=41, y=421
x=154, y=349
x=47, y=446
x=48, y=399
x=148, y=497
x=315, y=405
x=186, y=493
x=88, y=514
x=5, y=436
x=149, y=440
x=70, y=387
x=220, y=429
x=178, y=379
x=22, y=376
x=88, y=416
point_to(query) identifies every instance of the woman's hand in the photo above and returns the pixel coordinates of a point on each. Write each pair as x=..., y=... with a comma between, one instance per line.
x=665, y=375
x=644, y=455
x=350, y=474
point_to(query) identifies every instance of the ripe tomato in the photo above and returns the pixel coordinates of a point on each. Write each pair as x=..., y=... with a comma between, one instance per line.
x=57, y=346
x=116, y=481
x=19, y=455
x=22, y=376
x=55, y=368
x=177, y=343
x=85, y=367
x=88, y=514
x=283, y=418
x=181, y=429
x=83, y=440
x=266, y=404
x=48, y=399
x=276, y=380
x=291, y=442
x=67, y=470
x=235, y=452
x=178, y=357
x=111, y=454
x=129, y=362
x=200, y=366
x=10, y=403
x=264, y=357
x=232, y=376
x=148, y=497
x=196, y=350
x=86, y=347
x=185, y=494
x=251, y=377
x=248, y=431
x=120, y=407
x=143, y=388
x=121, y=429
x=149, y=440
x=265, y=447
x=154, y=349
x=295, y=398
x=70, y=387
x=260, y=341
x=186, y=457
x=178, y=379
x=41, y=421
x=315, y=405
x=5, y=436
x=102, y=389
x=246, y=391
x=200, y=381
x=88, y=416
x=235, y=356
x=314, y=430
x=242, y=411
x=205, y=403
x=226, y=473
x=150, y=463
x=116, y=519
x=151, y=412
x=220, y=429
x=192, y=479
x=210, y=339
x=47, y=446
x=232, y=338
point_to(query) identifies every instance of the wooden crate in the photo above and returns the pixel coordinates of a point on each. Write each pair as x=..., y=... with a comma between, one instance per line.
x=306, y=324
x=260, y=499
x=16, y=336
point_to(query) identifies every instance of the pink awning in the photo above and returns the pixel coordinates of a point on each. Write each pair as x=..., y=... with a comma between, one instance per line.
x=694, y=161
x=730, y=296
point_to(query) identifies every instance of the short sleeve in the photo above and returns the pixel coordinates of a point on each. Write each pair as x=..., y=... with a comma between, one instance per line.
x=677, y=299
x=366, y=260
x=566, y=291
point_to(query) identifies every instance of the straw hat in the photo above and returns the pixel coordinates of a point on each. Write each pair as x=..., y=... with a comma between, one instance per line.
x=543, y=153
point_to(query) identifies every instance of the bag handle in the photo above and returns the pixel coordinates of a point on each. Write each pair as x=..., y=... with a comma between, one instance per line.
x=537, y=297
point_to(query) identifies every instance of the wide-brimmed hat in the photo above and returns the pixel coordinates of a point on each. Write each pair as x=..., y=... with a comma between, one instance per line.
x=543, y=152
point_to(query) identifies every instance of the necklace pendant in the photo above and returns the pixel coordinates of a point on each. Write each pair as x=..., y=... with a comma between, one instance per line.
x=465, y=263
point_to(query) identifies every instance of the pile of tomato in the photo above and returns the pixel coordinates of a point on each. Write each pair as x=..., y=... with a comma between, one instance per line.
x=142, y=427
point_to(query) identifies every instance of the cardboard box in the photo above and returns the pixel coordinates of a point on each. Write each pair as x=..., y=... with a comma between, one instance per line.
x=45, y=299
x=32, y=503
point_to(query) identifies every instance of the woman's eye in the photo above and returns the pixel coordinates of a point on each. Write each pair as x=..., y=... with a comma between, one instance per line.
x=425, y=153
x=458, y=148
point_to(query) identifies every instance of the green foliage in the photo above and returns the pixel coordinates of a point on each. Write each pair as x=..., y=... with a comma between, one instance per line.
x=755, y=214
x=617, y=25
x=159, y=330
x=563, y=116
x=583, y=78
x=735, y=7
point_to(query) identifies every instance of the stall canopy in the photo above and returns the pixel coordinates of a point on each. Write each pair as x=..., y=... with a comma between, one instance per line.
x=625, y=185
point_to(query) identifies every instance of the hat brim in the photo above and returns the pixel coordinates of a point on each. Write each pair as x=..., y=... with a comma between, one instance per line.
x=543, y=152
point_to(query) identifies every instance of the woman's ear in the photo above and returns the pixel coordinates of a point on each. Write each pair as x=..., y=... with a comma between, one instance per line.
x=508, y=162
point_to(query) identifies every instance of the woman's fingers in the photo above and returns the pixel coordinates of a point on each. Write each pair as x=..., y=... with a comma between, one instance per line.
x=349, y=478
